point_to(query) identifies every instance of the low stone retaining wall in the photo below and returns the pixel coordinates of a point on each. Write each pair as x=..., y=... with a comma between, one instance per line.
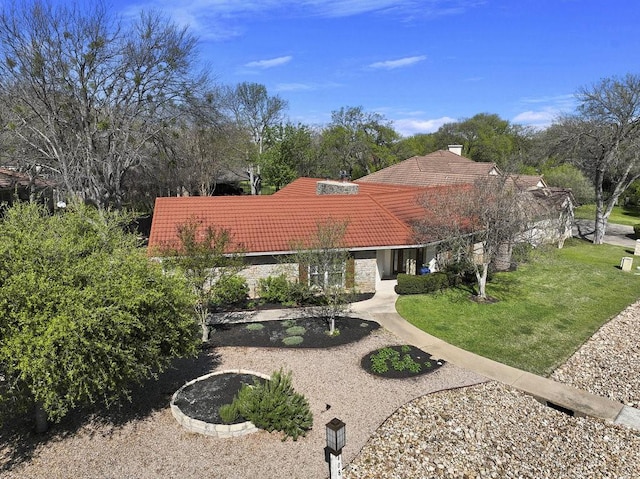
x=209, y=429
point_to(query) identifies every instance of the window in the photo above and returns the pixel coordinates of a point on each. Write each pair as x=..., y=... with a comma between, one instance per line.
x=324, y=276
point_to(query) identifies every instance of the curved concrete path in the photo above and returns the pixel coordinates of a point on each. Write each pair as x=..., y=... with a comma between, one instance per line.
x=381, y=308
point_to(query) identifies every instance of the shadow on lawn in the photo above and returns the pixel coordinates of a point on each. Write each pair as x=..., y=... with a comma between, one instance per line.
x=18, y=441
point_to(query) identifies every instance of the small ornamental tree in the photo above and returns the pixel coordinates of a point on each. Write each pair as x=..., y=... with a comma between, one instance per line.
x=327, y=267
x=83, y=312
x=475, y=224
x=202, y=256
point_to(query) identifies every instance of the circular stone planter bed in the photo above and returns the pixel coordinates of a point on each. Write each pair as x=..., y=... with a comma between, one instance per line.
x=400, y=362
x=195, y=405
x=311, y=332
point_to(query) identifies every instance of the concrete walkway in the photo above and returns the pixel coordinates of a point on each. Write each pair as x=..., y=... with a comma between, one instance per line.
x=620, y=235
x=381, y=308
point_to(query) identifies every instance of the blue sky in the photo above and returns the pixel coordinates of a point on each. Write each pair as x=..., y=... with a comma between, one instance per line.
x=420, y=63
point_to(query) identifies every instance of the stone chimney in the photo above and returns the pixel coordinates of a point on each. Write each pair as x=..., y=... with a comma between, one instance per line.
x=457, y=149
x=330, y=187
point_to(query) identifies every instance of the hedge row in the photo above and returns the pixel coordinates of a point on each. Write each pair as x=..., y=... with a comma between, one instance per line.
x=428, y=283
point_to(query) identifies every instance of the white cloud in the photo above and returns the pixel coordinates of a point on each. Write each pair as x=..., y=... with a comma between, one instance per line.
x=411, y=126
x=399, y=63
x=294, y=87
x=545, y=110
x=224, y=19
x=270, y=63
x=567, y=99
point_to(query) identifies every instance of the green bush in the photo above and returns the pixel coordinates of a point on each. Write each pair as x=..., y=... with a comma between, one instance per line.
x=296, y=331
x=228, y=413
x=300, y=293
x=274, y=289
x=277, y=289
x=521, y=253
x=636, y=230
x=460, y=272
x=428, y=283
x=275, y=406
x=293, y=340
x=381, y=360
x=254, y=326
x=229, y=290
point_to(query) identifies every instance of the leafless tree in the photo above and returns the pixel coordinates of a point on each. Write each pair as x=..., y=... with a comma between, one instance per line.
x=475, y=224
x=85, y=95
x=328, y=268
x=255, y=110
x=603, y=140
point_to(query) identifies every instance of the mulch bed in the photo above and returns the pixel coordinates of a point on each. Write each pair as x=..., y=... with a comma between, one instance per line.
x=202, y=399
x=427, y=364
x=311, y=332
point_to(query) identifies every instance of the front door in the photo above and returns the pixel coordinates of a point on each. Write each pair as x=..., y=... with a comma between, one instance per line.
x=398, y=261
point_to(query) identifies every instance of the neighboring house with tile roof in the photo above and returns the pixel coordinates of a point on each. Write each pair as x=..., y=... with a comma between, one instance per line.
x=440, y=168
x=17, y=185
x=269, y=229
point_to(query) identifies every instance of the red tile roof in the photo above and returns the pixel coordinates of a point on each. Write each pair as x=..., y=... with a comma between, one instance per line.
x=307, y=187
x=264, y=224
x=440, y=168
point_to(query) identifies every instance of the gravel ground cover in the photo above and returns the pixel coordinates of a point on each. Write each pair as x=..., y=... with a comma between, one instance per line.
x=147, y=442
x=609, y=363
x=491, y=430
x=485, y=430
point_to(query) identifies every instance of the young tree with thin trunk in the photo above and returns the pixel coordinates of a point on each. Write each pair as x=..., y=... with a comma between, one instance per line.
x=474, y=224
x=205, y=256
x=327, y=267
x=603, y=140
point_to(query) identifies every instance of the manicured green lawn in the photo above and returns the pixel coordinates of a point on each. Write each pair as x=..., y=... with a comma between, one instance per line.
x=620, y=215
x=545, y=310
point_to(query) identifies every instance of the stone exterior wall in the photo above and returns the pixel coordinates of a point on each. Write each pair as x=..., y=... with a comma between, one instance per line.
x=365, y=274
x=259, y=267
x=329, y=187
x=263, y=267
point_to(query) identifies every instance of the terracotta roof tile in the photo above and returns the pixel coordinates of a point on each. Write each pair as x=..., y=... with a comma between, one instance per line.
x=440, y=168
x=262, y=224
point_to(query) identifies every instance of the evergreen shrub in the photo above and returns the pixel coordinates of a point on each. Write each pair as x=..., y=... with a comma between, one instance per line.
x=428, y=283
x=274, y=406
x=229, y=290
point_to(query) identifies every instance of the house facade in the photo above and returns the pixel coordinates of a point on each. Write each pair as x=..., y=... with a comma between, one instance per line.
x=269, y=230
x=378, y=219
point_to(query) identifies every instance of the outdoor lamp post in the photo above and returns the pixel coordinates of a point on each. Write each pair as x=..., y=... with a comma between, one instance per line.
x=336, y=439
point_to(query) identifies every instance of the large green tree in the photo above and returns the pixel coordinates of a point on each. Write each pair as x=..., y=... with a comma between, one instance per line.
x=486, y=137
x=84, y=313
x=358, y=142
x=291, y=152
